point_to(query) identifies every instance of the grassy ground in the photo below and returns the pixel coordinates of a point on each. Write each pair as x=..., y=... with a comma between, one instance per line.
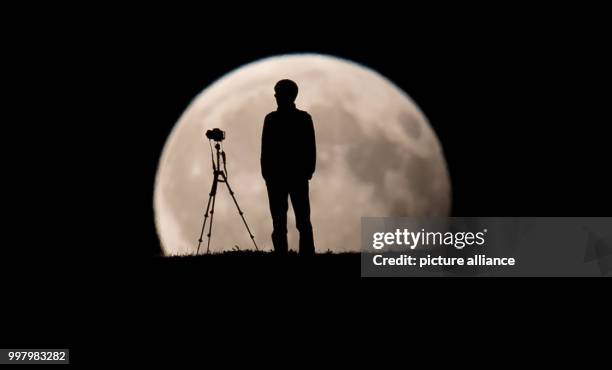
x=266, y=263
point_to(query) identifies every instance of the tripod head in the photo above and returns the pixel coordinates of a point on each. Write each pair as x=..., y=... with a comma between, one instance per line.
x=216, y=165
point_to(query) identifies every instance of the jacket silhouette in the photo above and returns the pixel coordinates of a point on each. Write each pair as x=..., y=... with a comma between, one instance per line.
x=288, y=160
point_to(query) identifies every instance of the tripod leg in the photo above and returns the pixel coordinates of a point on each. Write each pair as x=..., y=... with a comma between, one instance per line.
x=212, y=212
x=239, y=210
x=210, y=197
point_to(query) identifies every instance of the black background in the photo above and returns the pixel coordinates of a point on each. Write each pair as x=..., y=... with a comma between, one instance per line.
x=516, y=97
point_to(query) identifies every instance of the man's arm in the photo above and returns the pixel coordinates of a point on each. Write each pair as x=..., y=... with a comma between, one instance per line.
x=265, y=138
x=311, y=147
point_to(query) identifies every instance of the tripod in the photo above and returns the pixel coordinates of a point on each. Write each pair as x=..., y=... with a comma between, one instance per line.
x=219, y=176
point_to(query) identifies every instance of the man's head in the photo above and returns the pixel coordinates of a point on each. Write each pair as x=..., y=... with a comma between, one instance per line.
x=285, y=92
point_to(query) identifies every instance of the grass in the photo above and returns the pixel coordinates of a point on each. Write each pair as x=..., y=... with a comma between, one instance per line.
x=250, y=262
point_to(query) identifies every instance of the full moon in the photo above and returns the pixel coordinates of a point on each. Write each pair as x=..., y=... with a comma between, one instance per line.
x=377, y=155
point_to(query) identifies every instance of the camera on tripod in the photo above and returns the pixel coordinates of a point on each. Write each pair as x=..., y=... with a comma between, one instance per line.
x=215, y=134
x=219, y=176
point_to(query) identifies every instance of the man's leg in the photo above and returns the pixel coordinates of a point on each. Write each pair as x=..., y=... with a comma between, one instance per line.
x=277, y=196
x=301, y=207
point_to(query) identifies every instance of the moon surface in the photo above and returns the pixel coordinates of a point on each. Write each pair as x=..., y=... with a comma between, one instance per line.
x=377, y=155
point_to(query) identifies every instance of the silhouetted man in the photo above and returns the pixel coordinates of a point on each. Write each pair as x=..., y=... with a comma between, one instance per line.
x=288, y=158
